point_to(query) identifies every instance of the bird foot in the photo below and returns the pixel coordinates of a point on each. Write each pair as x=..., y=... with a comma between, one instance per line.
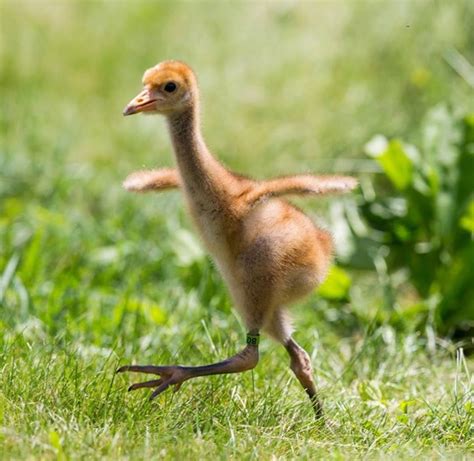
x=169, y=376
x=175, y=375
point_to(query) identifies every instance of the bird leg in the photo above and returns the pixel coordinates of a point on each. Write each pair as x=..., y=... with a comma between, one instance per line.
x=175, y=375
x=301, y=366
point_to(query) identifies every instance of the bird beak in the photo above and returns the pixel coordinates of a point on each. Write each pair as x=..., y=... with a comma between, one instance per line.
x=143, y=102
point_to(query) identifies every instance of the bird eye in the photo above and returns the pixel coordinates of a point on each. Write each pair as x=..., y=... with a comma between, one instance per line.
x=170, y=87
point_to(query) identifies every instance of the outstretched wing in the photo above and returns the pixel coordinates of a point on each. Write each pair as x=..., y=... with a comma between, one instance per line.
x=303, y=185
x=152, y=180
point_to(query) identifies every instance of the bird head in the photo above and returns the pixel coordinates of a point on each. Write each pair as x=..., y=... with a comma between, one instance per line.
x=169, y=87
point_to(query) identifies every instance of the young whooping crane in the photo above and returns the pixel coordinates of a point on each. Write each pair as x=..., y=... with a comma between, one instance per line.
x=269, y=253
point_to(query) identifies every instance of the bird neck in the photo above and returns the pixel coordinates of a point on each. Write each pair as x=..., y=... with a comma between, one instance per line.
x=201, y=173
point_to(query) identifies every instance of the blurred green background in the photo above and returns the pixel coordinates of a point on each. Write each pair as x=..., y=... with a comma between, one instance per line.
x=286, y=87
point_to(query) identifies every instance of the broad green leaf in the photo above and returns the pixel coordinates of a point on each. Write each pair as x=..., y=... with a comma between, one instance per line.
x=433, y=179
x=336, y=286
x=445, y=213
x=467, y=220
x=397, y=165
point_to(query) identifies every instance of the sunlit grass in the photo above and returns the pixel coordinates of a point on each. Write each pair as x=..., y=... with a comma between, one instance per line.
x=393, y=399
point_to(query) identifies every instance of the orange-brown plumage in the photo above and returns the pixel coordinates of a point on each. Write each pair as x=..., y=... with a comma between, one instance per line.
x=268, y=251
x=169, y=70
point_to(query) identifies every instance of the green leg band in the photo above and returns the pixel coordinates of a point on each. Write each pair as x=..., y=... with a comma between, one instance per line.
x=253, y=340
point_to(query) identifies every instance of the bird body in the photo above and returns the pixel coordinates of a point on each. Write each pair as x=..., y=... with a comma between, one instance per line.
x=268, y=251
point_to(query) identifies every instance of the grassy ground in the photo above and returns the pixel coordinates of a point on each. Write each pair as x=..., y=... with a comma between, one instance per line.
x=91, y=278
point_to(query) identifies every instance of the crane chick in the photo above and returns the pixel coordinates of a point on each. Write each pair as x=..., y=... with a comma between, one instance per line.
x=269, y=253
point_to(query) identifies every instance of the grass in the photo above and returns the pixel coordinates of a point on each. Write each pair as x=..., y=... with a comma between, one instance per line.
x=408, y=404
x=92, y=278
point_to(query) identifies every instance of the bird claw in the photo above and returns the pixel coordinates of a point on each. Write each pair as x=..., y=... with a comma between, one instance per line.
x=169, y=375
